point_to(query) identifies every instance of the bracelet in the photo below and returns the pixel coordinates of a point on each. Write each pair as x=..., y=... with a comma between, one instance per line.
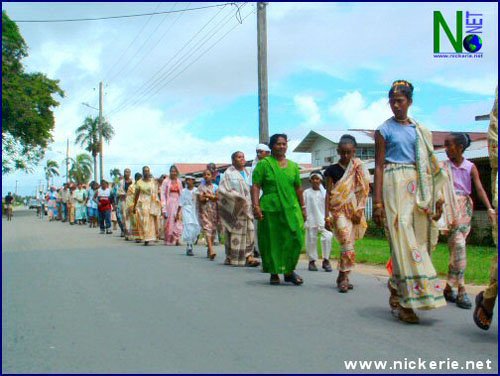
x=378, y=205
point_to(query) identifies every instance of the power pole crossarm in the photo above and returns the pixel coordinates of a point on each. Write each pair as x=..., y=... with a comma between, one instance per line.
x=262, y=68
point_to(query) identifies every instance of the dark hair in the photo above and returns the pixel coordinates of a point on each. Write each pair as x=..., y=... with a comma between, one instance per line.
x=137, y=176
x=316, y=172
x=233, y=156
x=347, y=139
x=462, y=139
x=401, y=87
x=175, y=168
x=274, y=139
x=102, y=182
x=145, y=167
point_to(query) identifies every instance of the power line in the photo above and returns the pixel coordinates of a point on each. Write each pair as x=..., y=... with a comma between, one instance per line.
x=144, y=95
x=130, y=44
x=145, y=88
x=124, y=16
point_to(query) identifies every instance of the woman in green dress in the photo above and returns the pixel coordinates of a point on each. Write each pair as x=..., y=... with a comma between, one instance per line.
x=280, y=212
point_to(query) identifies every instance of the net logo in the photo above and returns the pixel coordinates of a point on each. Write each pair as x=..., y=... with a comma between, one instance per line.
x=471, y=43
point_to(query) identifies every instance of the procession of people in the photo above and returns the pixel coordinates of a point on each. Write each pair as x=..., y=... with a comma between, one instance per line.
x=263, y=212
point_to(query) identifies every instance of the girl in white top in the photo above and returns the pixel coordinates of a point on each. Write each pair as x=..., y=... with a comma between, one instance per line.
x=314, y=199
x=187, y=213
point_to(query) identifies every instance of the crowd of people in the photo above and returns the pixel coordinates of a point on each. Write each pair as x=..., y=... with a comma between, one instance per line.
x=263, y=212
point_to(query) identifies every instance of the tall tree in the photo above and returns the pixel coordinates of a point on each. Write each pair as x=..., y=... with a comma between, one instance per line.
x=51, y=169
x=27, y=104
x=81, y=168
x=87, y=136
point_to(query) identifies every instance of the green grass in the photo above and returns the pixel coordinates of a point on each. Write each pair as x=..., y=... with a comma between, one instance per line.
x=376, y=252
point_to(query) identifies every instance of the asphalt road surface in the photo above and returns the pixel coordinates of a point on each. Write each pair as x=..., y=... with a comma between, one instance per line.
x=75, y=301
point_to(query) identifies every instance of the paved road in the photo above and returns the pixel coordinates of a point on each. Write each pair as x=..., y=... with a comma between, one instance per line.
x=77, y=301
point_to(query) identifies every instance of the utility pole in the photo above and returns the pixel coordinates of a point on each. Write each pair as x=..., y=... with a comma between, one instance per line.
x=262, y=68
x=67, y=161
x=16, y=188
x=101, y=168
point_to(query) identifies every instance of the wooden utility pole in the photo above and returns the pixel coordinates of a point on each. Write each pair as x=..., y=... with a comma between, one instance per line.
x=67, y=161
x=262, y=67
x=101, y=167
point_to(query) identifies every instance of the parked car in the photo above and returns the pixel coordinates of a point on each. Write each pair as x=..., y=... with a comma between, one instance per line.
x=33, y=203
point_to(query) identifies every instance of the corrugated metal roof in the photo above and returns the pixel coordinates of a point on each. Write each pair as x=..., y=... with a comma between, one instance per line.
x=333, y=136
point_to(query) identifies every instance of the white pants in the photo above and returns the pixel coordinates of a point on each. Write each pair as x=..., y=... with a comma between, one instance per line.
x=256, y=243
x=312, y=242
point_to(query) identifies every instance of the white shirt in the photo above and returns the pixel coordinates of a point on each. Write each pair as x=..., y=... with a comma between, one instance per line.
x=315, y=207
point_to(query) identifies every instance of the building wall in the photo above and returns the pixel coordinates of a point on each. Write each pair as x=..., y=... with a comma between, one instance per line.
x=324, y=152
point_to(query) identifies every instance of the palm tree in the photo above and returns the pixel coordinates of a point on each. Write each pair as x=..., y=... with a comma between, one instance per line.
x=81, y=169
x=87, y=136
x=115, y=174
x=51, y=169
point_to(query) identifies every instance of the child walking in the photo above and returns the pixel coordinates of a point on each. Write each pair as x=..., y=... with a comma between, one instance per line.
x=103, y=195
x=187, y=214
x=314, y=198
x=458, y=213
x=347, y=189
x=207, y=211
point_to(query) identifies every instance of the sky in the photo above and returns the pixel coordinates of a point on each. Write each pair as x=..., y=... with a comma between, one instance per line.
x=182, y=87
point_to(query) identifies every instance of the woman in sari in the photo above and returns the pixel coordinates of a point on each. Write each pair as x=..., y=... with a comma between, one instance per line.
x=281, y=212
x=235, y=212
x=130, y=216
x=52, y=203
x=348, y=185
x=146, y=206
x=407, y=177
x=171, y=190
x=207, y=211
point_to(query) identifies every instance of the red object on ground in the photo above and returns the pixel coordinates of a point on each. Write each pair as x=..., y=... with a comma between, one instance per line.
x=388, y=266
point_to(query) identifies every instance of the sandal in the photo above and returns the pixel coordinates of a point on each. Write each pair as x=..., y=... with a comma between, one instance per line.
x=275, y=279
x=463, y=301
x=251, y=262
x=227, y=261
x=294, y=278
x=394, y=298
x=407, y=315
x=212, y=256
x=481, y=316
x=450, y=295
x=349, y=285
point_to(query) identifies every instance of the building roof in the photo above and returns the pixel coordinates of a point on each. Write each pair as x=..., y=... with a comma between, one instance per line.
x=305, y=145
x=190, y=168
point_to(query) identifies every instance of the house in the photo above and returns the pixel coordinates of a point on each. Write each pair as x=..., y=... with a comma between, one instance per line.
x=323, y=146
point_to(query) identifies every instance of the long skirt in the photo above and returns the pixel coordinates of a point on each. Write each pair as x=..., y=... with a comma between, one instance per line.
x=132, y=226
x=344, y=232
x=80, y=212
x=71, y=213
x=146, y=223
x=279, y=243
x=413, y=276
x=457, y=242
x=239, y=244
x=208, y=218
x=173, y=228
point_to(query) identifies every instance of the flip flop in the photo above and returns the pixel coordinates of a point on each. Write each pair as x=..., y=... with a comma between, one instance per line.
x=485, y=325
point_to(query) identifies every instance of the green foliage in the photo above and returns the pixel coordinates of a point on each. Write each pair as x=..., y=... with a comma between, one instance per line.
x=115, y=174
x=51, y=169
x=81, y=168
x=27, y=103
x=87, y=136
x=376, y=252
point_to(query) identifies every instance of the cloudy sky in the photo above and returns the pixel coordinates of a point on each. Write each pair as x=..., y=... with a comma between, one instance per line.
x=182, y=87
